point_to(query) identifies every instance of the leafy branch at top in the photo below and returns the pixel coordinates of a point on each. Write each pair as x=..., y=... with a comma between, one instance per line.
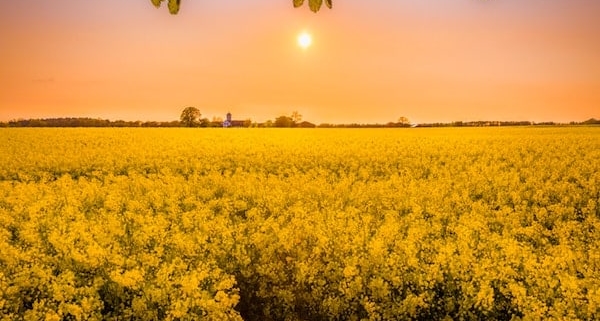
x=314, y=5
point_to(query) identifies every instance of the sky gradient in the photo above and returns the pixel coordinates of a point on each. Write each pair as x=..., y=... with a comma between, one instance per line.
x=370, y=61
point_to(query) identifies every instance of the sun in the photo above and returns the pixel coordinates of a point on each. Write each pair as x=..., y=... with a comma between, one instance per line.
x=304, y=40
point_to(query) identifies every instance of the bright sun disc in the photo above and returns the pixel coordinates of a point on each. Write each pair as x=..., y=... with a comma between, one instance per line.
x=304, y=40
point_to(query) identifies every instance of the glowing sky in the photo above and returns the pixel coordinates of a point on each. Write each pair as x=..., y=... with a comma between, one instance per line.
x=369, y=61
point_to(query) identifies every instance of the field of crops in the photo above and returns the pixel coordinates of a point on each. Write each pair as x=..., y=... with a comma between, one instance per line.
x=292, y=224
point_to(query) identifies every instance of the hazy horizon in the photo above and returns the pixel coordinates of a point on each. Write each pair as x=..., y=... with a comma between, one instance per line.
x=430, y=61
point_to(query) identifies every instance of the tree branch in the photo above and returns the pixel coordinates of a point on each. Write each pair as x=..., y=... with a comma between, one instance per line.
x=314, y=5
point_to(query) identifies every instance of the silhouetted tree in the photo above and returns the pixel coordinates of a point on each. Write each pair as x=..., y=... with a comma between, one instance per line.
x=190, y=116
x=284, y=121
x=403, y=121
x=314, y=5
x=296, y=117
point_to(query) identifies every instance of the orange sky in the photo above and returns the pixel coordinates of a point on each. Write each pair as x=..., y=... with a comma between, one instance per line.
x=370, y=61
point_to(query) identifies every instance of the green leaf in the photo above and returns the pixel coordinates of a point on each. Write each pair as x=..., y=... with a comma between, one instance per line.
x=174, y=6
x=329, y=3
x=315, y=5
x=298, y=3
x=156, y=3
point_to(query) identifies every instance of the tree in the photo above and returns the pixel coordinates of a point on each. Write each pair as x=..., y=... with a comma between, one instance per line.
x=296, y=117
x=204, y=122
x=314, y=5
x=190, y=116
x=284, y=121
x=403, y=121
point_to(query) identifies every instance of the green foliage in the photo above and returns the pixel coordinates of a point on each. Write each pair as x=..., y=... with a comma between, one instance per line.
x=403, y=121
x=296, y=117
x=173, y=5
x=284, y=121
x=190, y=117
x=331, y=224
x=156, y=3
x=314, y=5
x=288, y=121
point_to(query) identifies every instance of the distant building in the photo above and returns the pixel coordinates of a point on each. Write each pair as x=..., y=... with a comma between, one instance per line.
x=306, y=124
x=228, y=122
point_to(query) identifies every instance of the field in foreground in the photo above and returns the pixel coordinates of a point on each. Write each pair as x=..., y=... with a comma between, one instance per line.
x=283, y=224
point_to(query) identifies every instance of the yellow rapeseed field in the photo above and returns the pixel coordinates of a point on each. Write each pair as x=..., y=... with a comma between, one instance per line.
x=293, y=224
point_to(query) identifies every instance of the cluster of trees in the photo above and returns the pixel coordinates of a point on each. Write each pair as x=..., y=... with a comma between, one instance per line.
x=191, y=117
x=294, y=120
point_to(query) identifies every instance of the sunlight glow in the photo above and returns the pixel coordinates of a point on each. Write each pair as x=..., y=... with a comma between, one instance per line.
x=304, y=40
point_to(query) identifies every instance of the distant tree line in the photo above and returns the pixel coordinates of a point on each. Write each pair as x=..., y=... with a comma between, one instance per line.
x=357, y=125
x=292, y=121
x=590, y=121
x=479, y=124
x=84, y=122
